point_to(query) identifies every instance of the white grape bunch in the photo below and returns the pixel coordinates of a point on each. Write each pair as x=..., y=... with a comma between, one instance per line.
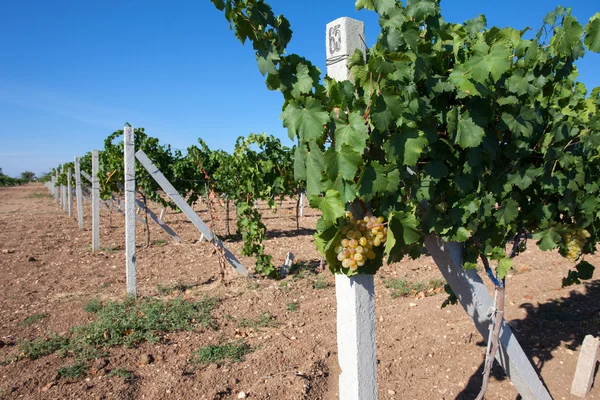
x=359, y=237
x=575, y=241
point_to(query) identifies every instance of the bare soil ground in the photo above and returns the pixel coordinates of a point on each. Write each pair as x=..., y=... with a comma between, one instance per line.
x=424, y=352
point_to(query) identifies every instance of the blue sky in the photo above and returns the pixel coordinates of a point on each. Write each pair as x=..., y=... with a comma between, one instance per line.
x=72, y=71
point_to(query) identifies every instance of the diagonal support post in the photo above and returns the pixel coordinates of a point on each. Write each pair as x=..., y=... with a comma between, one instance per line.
x=477, y=301
x=188, y=211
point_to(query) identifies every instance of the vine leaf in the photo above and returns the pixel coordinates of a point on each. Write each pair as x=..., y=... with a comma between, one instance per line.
x=405, y=147
x=548, y=239
x=352, y=133
x=592, y=33
x=331, y=205
x=508, y=212
x=504, y=265
x=343, y=162
x=305, y=122
x=468, y=133
x=402, y=231
x=524, y=177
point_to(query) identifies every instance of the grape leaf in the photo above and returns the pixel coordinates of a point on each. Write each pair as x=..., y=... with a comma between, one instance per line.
x=330, y=205
x=592, y=33
x=305, y=122
x=344, y=162
x=468, y=133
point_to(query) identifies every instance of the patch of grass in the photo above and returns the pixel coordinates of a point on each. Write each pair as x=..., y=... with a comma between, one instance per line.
x=132, y=322
x=122, y=373
x=74, y=371
x=33, y=319
x=34, y=349
x=172, y=288
x=93, y=306
x=320, y=283
x=127, y=323
x=38, y=196
x=110, y=249
x=160, y=242
x=104, y=285
x=292, y=306
x=234, y=352
x=265, y=320
x=404, y=288
x=253, y=285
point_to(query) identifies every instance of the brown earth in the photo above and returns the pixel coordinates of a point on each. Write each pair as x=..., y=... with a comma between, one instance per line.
x=424, y=352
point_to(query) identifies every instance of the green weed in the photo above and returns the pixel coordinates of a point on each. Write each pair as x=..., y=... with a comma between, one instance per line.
x=124, y=374
x=234, y=352
x=292, y=306
x=265, y=320
x=93, y=306
x=404, y=288
x=33, y=319
x=34, y=349
x=73, y=372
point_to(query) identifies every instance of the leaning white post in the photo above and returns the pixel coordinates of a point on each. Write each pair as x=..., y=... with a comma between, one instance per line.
x=78, y=193
x=130, y=197
x=95, y=203
x=69, y=193
x=475, y=298
x=355, y=295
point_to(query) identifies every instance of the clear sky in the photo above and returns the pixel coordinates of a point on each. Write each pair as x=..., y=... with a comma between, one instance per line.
x=73, y=71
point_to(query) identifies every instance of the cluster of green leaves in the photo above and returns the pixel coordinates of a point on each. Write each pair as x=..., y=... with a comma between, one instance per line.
x=112, y=165
x=470, y=133
x=6, y=180
x=260, y=168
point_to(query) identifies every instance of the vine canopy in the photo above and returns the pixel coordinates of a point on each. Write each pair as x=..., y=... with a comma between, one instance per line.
x=473, y=133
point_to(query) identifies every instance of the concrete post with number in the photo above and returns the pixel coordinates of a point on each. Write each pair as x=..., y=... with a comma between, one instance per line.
x=130, y=197
x=355, y=295
x=95, y=203
x=78, y=193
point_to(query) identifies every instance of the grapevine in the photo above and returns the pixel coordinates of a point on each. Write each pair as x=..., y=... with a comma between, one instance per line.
x=470, y=133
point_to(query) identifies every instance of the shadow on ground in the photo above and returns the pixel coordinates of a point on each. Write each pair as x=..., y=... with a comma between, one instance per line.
x=563, y=322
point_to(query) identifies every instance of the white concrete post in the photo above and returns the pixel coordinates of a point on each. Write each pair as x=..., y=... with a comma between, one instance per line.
x=78, y=193
x=56, y=191
x=130, y=197
x=63, y=193
x=356, y=295
x=69, y=193
x=95, y=203
x=586, y=366
x=302, y=204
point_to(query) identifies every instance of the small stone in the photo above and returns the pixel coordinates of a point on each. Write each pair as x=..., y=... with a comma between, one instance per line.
x=242, y=395
x=412, y=304
x=8, y=251
x=31, y=259
x=235, y=381
x=391, y=392
x=146, y=359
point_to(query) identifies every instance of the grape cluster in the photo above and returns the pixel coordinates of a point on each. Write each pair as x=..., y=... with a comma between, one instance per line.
x=360, y=236
x=575, y=242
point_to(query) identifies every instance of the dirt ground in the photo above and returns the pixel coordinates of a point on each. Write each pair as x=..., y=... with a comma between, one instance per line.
x=424, y=351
